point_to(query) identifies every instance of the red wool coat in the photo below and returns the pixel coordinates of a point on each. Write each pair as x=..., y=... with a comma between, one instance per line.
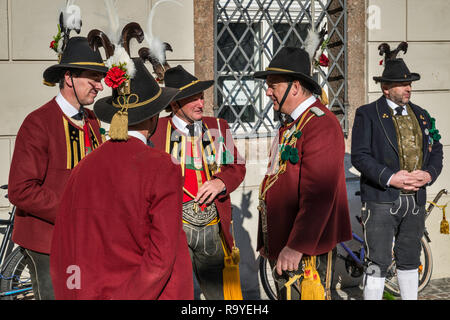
x=120, y=225
x=307, y=208
x=231, y=174
x=48, y=146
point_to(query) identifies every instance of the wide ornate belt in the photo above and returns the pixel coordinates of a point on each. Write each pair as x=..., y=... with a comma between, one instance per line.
x=198, y=216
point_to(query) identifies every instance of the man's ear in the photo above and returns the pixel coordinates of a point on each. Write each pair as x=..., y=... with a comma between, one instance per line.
x=385, y=88
x=296, y=88
x=174, y=106
x=67, y=79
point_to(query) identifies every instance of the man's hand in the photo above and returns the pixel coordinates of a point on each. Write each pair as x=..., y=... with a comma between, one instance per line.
x=422, y=178
x=288, y=259
x=410, y=181
x=209, y=191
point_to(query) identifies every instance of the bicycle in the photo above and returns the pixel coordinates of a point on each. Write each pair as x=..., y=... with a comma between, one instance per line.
x=354, y=261
x=15, y=281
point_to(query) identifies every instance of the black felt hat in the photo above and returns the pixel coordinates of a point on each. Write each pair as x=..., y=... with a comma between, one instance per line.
x=177, y=77
x=294, y=62
x=395, y=70
x=144, y=99
x=77, y=54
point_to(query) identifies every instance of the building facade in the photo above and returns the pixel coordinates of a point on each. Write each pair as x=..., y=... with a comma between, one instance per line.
x=227, y=41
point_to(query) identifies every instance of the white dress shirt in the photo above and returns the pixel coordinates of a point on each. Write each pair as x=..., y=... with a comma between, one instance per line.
x=393, y=105
x=302, y=107
x=180, y=124
x=68, y=109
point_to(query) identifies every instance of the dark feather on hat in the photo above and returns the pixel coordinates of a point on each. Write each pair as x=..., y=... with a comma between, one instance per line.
x=385, y=49
x=130, y=31
x=97, y=39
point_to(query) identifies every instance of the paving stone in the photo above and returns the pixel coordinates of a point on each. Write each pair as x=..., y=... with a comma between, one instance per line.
x=437, y=289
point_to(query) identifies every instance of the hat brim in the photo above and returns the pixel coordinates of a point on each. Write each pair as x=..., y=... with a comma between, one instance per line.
x=104, y=110
x=53, y=73
x=412, y=77
x=193, y=89
x=316, y=88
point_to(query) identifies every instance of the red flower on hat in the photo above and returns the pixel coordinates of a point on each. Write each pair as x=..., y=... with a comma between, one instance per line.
x=53, y=45
x=323, y=60
x=115, y=77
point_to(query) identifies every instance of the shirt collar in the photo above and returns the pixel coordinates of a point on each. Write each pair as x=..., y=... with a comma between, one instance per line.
x=138, y=135
x=393, y=105
x=302, y=107
x=180, y=124
x=68, y=109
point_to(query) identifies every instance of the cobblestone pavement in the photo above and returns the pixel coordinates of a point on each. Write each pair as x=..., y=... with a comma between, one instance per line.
x=437, y=289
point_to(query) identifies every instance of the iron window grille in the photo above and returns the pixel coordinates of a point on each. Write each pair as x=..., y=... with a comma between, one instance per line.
x=249, y=33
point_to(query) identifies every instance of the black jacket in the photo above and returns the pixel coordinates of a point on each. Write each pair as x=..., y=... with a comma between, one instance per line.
x=375, y=151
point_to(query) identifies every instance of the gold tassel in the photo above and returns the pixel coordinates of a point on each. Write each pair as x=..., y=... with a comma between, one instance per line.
x=231, y=277
x=118, y=129
x=444, y=229
x=324, y=98
x=444, y=223
x=311, y=288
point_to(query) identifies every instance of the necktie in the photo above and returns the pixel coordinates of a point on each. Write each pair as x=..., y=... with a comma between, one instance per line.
x=398, y=111
x=79, y=115
x=190, y=127
x=287, y=119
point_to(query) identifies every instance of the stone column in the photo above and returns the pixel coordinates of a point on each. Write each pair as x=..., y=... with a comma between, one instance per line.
x=356, y=53
x=204, y=47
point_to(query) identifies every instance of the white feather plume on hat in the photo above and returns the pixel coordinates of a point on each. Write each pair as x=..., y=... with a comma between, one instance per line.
x=69, y=19
x=312, y=43
x=156, y=46
x=121, y=56
x=72, y=16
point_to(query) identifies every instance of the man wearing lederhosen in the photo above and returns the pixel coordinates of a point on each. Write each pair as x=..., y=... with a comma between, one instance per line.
x=397, y=150
x=212, y=169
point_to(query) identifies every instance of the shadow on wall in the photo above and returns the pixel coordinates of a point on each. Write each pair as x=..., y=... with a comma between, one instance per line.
x=249, y=262
x=248, y=266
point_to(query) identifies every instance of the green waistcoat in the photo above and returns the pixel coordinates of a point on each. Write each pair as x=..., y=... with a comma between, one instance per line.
x=409, y=139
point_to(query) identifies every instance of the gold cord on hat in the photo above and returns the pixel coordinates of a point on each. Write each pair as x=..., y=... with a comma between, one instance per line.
x=118, y=129
x=188, y=85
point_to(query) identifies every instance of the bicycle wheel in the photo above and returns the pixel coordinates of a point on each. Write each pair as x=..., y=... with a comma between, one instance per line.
x=265, y=275
x=15, y=282
x=425, y=270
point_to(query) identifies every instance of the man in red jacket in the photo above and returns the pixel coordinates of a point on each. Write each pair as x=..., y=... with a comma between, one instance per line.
x=303, y=199
x=119, y=236
x=50, y=142
x=212, y=169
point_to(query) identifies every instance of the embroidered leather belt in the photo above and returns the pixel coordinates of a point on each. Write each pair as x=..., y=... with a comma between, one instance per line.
x=197, y=216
